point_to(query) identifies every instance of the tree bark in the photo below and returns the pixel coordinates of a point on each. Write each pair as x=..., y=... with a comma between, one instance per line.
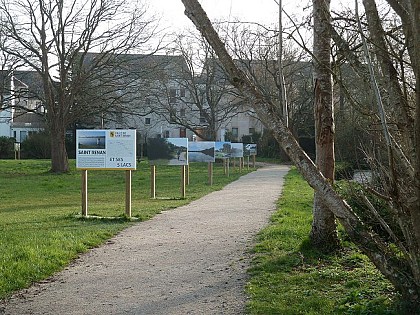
x=42, y=36
x=59, y=158
x=324, y=228
x=415, y=201
x=394, y=267
x=396, y=95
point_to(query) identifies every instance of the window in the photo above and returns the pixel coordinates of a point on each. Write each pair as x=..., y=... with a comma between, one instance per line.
x=166, y=134
x=203, y=119
x=147, y=121
x=23, y=135
x=182, y=92
x=182, y=112
x=172, y=96
x=172, y=115
x=235, y=133
x=251, y=131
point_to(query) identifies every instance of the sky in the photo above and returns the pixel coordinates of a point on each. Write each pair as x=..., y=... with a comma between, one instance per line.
x=260, y=11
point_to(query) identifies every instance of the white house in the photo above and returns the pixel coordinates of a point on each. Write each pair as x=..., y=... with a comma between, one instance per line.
x=154, y=94
x=22, y=112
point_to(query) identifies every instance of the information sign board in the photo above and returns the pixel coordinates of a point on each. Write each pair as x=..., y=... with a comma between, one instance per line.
x=167, y=151
x=106, y=149
x=237, y=150
x=201, y=151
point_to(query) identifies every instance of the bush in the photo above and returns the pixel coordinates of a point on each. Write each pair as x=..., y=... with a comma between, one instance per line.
x=253, y=138
x=355, y=194
x=7, y=147
x=37, y=146
x=343, y=170
x=268, y=147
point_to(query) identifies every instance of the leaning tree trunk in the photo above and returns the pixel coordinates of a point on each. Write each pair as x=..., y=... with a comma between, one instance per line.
x=392, y=265
x=324, y=228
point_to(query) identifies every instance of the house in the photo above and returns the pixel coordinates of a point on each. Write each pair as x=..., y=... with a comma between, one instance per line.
x=142, y=92
x=160, y=97
x=233, y=115
x=155, y=94
x=22, y=111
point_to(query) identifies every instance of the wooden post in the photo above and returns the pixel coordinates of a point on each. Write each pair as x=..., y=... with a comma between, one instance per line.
x=153, y=181
x=187, y=174
x=224, y=167
x=17, y=150
x=228, y=167
x=128, y=193
x=240, y=164
x=248, y=162
x=183, y=180
x=210, y=171
x=84, y=194
x=253, y=161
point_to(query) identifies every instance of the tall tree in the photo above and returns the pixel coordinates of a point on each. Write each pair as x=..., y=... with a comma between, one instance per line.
x=396, y=262
x=415, y=18
x=324, y=228
x=51, y=36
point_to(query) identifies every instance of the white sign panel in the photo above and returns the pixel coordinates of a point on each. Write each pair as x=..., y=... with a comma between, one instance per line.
x=106, y=149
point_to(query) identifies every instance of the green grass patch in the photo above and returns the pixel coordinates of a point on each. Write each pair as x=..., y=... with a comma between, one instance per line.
x=288, y=276
x=41, y=231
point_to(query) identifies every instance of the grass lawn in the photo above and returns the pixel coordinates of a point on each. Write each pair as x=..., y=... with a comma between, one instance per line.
x=290, y=277
x=40, y=230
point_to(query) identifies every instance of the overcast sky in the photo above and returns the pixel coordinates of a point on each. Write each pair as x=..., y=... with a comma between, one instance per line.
x=261, y=11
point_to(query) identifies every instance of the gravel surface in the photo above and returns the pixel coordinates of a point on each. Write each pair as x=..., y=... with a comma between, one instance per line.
x=189, y=260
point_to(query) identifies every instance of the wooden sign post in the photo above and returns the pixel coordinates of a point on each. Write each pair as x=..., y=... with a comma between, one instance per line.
x=187, y=174
x=227, y=167
x=183, y=180
x=210, y=172
x=100, y=149
x=128, y=193
x=153, y=181
x=17, y=150
x=84, y=194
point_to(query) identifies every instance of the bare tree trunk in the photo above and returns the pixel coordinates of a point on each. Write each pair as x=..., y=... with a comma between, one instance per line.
x=57, y=127
x=415, y=206
x=42, y=36
x=59, y=158
x=396, y=95
x=324, y=228
x=392, y=265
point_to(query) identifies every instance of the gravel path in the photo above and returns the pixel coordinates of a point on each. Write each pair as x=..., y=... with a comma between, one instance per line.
x=189, y=260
